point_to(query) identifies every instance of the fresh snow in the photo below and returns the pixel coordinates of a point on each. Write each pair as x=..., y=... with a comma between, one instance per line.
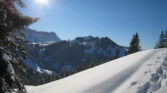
x=43, y=44
x=9, y=66
x=142, y=72
x=35, y=67
x=40, y=70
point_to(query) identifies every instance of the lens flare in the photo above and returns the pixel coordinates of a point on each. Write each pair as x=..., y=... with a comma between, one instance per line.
x=42, y=1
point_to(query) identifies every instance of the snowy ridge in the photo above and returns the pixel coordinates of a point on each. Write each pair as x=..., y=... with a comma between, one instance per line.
x=142, y=72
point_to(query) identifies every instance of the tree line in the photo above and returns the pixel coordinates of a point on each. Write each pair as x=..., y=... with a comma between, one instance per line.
x=162, y=43
x=134, y=46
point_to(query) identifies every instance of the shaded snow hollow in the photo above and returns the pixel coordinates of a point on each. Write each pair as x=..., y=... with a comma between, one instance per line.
x=142, y=72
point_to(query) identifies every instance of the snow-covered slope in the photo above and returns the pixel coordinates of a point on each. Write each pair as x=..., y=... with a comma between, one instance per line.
x=142, y=72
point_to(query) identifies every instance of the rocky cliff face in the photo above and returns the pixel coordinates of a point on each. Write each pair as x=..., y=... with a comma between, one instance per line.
x=39, y=37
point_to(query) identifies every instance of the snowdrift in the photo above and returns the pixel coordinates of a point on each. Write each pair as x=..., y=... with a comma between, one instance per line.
x=142, y=72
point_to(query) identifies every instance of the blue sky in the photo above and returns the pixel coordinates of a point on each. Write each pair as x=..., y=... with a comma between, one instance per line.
x=116, y=19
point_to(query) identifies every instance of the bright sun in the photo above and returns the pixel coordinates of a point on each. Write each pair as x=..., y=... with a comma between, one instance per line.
x=42, y=1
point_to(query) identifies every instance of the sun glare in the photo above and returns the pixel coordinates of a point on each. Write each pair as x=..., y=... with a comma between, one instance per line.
x=42, y=1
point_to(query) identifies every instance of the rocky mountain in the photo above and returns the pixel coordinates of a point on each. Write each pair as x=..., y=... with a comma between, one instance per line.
x=39, y=36
x=55, y=56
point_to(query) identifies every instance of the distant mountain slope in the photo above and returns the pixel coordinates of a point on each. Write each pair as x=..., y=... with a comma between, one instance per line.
x=70, y=54
x=142, y=72
x=40, y=37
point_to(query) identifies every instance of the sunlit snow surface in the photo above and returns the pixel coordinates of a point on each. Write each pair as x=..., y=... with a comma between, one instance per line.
x=142, y=72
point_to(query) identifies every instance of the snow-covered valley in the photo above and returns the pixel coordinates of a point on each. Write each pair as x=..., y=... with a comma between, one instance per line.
x=141, y=72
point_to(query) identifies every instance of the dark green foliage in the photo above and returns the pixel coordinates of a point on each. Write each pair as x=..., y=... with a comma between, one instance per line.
x=12, y=51
x=162, y=40
x=117, y=52
x=134, y=44
x=36, y=78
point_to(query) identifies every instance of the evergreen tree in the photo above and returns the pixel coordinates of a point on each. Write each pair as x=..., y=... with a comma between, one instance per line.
x=134, y=44
x=163, y=40
x=117, y=52
x=12, y=51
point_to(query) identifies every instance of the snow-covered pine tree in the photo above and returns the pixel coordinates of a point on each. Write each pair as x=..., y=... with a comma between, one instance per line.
x=12, y=51
x=134, y=44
